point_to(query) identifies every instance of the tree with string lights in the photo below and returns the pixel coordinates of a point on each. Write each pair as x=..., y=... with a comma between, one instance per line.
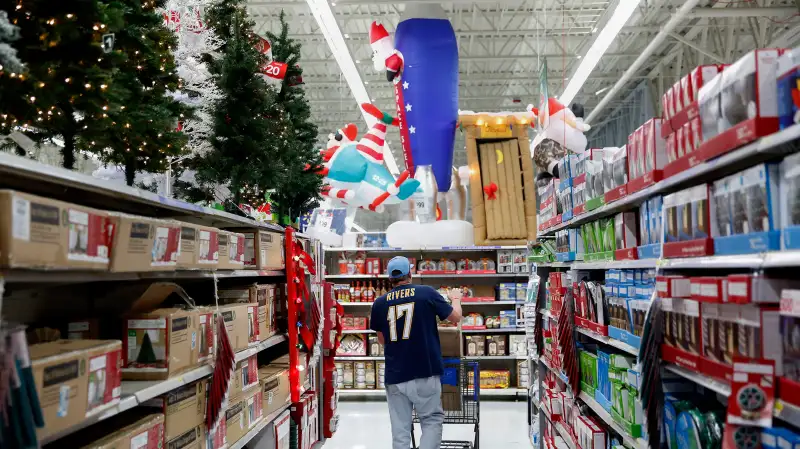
x=141, y=135
x=298, y=190
x=246, y=143
x=68, y=49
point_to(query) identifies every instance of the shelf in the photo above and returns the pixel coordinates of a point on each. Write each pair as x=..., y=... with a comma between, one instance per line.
x=504, y=392
x=712, y=384
x=609, y=341
x=428, y=276
x=494, y=331
x=137, y=392
x=55, y=182
x=356, y=331
x=636, y=443
x=353, y=358
x=360, y=392
x=357, y=304
x=441, y=249
x=491, y=303
x=561, y=376
x=787, y=412
x=609, y=264
x=261, y=425
x=765, y=148
x=70, y=276
x=553, y=264
x=496, y=357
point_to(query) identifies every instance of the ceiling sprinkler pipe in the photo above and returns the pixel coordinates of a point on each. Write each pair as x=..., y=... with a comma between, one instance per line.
x=662, y=35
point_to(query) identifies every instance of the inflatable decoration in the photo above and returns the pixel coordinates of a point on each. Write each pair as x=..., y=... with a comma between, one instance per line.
x=355, y=175
x=501, y=186
x=422, y=62
x=563, y=130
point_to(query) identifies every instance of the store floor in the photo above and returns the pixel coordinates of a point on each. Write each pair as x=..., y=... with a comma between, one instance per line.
x=365, y=425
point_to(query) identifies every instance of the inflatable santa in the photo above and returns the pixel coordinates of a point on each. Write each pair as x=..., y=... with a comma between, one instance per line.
x=561, y=131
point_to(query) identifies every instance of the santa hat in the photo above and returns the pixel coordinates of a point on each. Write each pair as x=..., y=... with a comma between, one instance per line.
x=350, y=131
x=377, y=33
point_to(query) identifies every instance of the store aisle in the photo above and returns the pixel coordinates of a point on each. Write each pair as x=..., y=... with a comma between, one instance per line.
x=365, y=425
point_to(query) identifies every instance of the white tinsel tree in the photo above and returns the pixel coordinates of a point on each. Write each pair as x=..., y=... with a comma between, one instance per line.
x=8, y=55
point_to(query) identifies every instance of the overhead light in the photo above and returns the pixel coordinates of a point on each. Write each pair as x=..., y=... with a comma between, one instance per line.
x=333, y=36
x=594, y=30
x=602, y=90
x=607, y=35
x=366, y=82
x=333, y=3
x=358, y=61
x=347, y=36
x=578, y=56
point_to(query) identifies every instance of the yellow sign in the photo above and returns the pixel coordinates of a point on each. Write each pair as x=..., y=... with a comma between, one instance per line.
x=495, y=131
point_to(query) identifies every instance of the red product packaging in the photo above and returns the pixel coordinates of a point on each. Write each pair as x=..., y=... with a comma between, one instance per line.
x=688, y=140
x=673, y=286
x=749, y=288
x=709, y=289
x=665, y=109
x=670, y=108
x=677, y=97
x=753, y=389
x=672, y=150
x=654, y=147
x=697, y=78
x=680, y=151
x=696, y=131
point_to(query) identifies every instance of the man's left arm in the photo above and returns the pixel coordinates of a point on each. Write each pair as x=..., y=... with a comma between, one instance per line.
x=374, y=321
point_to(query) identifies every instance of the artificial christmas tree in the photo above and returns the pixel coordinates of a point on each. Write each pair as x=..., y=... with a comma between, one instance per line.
x=247, y=148
x=298, y=190
x=69, y=51
x=141, y=135
x=8, y=55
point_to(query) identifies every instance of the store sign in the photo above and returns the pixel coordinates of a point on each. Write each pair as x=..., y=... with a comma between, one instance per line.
x=274, y=72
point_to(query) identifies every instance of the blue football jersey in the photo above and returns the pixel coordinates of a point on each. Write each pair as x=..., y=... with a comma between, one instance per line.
x=406, y=316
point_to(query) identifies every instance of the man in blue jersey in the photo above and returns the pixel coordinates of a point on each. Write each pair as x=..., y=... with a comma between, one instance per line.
x=405, y=320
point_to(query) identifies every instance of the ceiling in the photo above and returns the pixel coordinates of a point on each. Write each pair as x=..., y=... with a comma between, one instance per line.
x=502, y=45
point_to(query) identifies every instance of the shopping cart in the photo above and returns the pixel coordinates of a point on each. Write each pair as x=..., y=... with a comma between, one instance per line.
x=460, y=400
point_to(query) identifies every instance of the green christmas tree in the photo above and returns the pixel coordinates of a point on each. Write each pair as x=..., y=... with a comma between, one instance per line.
x=141, y=134
x=247, y=142
x=298, y=190
x=68, y=49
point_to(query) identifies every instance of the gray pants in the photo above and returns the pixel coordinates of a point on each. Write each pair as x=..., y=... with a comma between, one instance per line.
x=424, y=395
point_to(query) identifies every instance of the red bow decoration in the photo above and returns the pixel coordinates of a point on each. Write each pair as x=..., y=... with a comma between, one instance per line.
x=491, y=191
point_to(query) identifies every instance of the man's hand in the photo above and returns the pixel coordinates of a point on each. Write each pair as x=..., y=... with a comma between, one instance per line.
x=454, y=294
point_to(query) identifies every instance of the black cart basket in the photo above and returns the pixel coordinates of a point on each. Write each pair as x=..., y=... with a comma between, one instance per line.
x=460, y=400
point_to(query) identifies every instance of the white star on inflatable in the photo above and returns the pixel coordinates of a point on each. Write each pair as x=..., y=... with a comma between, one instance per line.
x=405, y=85
x=412, y=130
x=408, y=107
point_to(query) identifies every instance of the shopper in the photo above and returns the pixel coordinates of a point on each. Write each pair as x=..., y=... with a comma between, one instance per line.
x=405, y=320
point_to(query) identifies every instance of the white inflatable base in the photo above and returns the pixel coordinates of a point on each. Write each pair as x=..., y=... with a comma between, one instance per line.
x=328, y=238
x=413, y=235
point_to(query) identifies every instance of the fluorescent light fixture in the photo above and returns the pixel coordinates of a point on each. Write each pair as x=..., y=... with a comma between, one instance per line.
x=578, y=56
x=603, y=90
x=607, y=35
x=347, y=36
x=333, y=35
x=366, y=82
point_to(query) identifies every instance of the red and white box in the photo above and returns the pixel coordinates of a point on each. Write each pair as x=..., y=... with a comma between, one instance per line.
x=677, y=98
x=750, y=288
x=665, y=104
x=672, y=147
x=654, y=148
x=696, y=130
x=283, y=426
x=680, y=151
x=688, y=140
x=709, y=289
x=697, y=78
x=673, y=286
x=590, y=434
x=752, y=379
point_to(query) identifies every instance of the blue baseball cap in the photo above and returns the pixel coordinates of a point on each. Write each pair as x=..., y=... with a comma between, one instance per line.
x=398, y=267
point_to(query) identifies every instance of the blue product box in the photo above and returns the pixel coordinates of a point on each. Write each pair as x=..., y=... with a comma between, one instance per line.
x=769, y=438
x=564, y=169
x=754, y=200
x=789, y=201
x=654, y=207
x=787, y=439
x=508, y=318
x=788, y=69
x=637, y=276
x=644, y=225
x=624, y=336
x=628, y=276
x=612, y=275
x=652, y=251
x=603, y=382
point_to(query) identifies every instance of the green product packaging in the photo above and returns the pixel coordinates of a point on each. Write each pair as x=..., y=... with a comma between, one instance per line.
x=598, y=236
x=609, y=244
x=616, y=396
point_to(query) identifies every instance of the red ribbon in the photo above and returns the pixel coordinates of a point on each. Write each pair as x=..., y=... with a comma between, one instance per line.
x=491, y=191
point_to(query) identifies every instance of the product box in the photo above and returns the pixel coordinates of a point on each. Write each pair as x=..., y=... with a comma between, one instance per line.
x=496, y=345
x=625, y=230
x=644, y=224
x=159, y=342
x=748, y=102
x=654, y=211
x=790, y=201
x=264, y=250
x=723, y=222
x=184, y=415
x=75, y=379
x=261, y=294
x=241, y=321
x=199, y=248
x=672, y=150
x=236, y=419
x=708, y=104
x=677, y=98
x=654, y=148
x=688, y=222
x=83, y=329
x=254, y=408
x=37, y=232
x=134, y=430
x=523, y=374
x=245, y=377
x=143, y=244
x=788, y=94
x=283, y=426
x=475, y=345
x=231, y=250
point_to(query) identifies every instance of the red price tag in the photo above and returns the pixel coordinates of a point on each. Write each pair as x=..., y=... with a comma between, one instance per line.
x=275, y=70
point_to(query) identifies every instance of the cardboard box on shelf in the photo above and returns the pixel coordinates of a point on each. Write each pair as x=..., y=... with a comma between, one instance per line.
x=38, y=232
x=83, y=329
x=241, y=321
x=145, y=432
x=254, y=404
x=274, y=388
x=199, y=247
x=74, y=379
x=236, y=420
x=245, y=377
x=283, y=425
x=263, y=250
x=143, y=244
x=184, y=415
x=264, y=296
x=160, y=342
x=231, y=250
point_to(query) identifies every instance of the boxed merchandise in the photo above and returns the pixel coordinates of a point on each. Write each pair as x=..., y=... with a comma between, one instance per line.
x=254, y=408
x=644, y=222
x=654, y=209
x=495, y=379
x=517, y=345
x=748, y=103
x=369, y=373
x=665, y=108
x=687, y=215
x=708, y=103
x=475, y=345
x=689, y=145
x=680, y=143
x=790, y=333
x=522, y=291
x=682, y=330
x=160, y=341
x=625, y=230
x=507, y=291
x=283, y=427
x=595, y=179
x=74, y=379
x=375, y=347
x=83, y=330
x=620, y=167
x=752, y=214
x=261, y=294
x=655, y=146
x=184, y=415
x=236, y=419
x=360, y=375
x=275, y=387
x=199, y=247
x=38, y=232
x=245, y=376
x=521, y=261
x=508, y=318
x=263, y=250
x=677, y=98
x=138, y=430
x=231, y=250
x=505, y=261
x=788, y=108
x=590, y=434
x=790, y=201
x=697, y=79
x=496, y=345
x=352, y=345
x=723, y=222
x=380, y=370
x=672, y=147
x=349, y=375
x=143, y=244
x=241, y=321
